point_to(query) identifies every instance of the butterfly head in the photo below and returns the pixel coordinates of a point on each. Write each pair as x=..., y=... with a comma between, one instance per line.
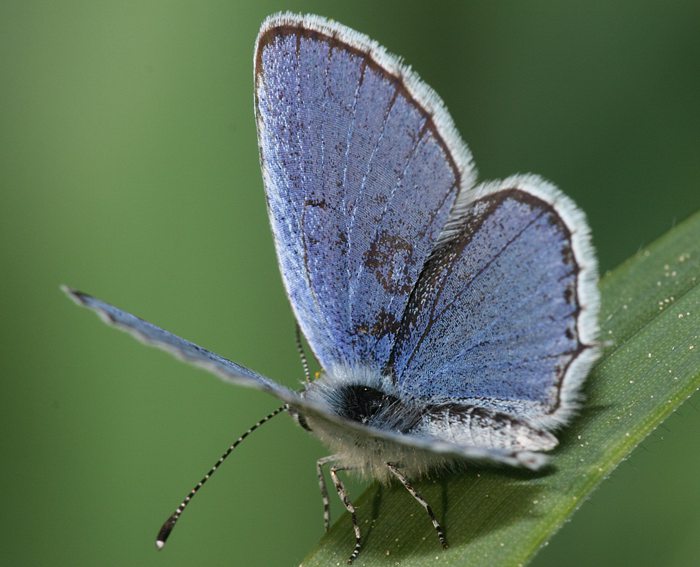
x=373, y=404
x=358, y=395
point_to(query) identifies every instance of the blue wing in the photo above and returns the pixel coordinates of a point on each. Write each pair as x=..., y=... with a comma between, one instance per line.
x=239, y=375
x=361, y=167
x=504, y=315
x=185, y=350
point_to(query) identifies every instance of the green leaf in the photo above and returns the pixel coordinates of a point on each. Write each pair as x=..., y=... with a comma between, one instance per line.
x=650, y=321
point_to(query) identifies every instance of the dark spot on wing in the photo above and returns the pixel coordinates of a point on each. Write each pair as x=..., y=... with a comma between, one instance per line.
x=320, y=203
x=389, y=258
x=570, y=293
x=385, y=324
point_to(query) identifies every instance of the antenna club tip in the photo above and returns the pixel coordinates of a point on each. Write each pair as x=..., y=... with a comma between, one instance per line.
x=160, y=544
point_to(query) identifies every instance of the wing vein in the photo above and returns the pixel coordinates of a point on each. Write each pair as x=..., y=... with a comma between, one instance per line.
x=434, y=317
x=321, y=313
x=351, y=130
x=361, y=268
x=361, y=193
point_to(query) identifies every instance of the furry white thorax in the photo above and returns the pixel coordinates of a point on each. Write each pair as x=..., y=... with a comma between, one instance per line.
x=363, y=453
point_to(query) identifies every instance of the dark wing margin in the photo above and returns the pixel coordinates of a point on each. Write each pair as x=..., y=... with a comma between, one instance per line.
x=362, y=168
x=505, y=313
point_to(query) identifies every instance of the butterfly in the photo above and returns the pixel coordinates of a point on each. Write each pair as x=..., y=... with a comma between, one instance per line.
x=453, y=321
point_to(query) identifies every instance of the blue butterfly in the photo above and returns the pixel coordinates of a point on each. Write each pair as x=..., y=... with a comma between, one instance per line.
x=453, y=321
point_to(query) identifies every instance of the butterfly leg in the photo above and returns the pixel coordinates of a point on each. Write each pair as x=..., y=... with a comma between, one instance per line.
x=407, y=485
x=343, y=495
x=324, y=490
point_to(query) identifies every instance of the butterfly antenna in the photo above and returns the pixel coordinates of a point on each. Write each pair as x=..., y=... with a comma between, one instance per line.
x=169, y=524
x=302, y=354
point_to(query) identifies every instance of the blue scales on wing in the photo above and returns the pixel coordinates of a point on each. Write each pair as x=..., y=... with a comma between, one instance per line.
x=359, y=184
x=234, y=373
x=182, y=349
x=495, y=319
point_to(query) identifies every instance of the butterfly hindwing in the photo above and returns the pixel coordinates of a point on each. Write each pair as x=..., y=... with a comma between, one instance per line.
x=504, y=313
x=361, y=169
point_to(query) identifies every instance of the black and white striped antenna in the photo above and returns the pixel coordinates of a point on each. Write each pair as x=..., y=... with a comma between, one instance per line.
x=169, y=524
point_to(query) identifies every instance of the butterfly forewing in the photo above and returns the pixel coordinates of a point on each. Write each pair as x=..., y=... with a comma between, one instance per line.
x=359, y=184
x=183, y=349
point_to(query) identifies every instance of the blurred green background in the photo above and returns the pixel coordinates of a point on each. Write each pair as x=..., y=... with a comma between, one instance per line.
x=129, y=169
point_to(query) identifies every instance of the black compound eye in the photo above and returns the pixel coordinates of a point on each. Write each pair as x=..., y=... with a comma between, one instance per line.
x=361, y=403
